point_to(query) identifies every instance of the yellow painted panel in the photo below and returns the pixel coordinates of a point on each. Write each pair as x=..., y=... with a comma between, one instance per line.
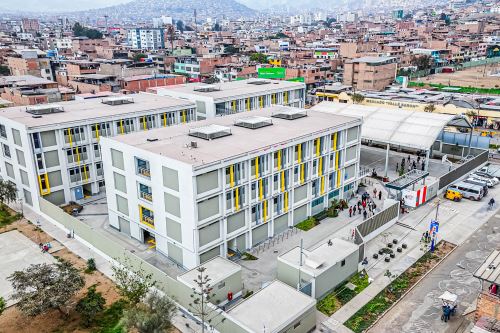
x=237, y=198
x=256, y=167
x=184, y=116
x=46, y=190
x=299, y=153
x=338, y=178
x=279, y=159
x=261, y=190
x=265, y=211
x=282, y=181
x=286, y=201
x=96, y=132
x=121, y=126
x=302, y=167
x=317, y=147
x=70, y=138
x=233, y=105
x=144, y=125
x=320, y=166
x=261, y=98
x=322, y=185
x=335, y=135
x=231, y=175
x=164, y=120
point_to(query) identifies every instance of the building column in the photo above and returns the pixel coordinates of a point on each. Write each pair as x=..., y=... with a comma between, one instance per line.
x=427, y=156
x=387, y=160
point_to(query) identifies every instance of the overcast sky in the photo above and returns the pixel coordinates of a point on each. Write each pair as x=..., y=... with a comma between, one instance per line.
x=56, y=5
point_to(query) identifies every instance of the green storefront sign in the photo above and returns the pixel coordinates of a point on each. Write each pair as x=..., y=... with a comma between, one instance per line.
x=297, y=79
x=271, y=73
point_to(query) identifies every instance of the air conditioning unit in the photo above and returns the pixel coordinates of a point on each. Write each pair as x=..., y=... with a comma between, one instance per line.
x=194, y=144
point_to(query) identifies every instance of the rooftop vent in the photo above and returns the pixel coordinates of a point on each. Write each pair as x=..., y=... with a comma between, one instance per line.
x=210, y=132
x=289, y=113
x=151, y=139
x=206, y=88
x=120, y=100
x=253, y=122
x=258, y=82
x=44, y=109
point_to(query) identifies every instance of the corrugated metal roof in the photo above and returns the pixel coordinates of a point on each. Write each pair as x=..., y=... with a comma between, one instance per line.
x=414, y=129
x=490, y=269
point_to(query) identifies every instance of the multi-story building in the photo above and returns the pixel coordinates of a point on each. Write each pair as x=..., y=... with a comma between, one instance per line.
x=237, y=96
x=146, y=39
x=370, y=73
x=30, y=62
x=224, y=185
x=52, y=150
x=30, y=25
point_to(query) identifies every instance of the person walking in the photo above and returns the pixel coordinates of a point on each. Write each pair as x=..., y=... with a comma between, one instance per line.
x=359, y=210
x=350, y=211
x=375, y=192
x=380, y=195
x=397, y=167
x=353, y=210
x=364, y=214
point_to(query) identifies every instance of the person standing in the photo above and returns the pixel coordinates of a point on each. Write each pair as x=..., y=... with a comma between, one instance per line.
x=353, y=210
x=380, y=195
x=364, y=214
x=350, y=211
x=374, y=192
x=397, y=167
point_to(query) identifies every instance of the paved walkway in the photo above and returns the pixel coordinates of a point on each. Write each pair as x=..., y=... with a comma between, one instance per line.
x=458, y=221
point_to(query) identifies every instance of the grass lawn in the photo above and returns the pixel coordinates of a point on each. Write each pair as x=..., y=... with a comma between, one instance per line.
x=307, y=224
x=109, y=321
x=464, y=90
x=342, y=295
x=372, y=310
x=7, y=217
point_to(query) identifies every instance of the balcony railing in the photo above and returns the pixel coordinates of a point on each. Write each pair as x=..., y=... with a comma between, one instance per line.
x=146, y=196
x=148, y=220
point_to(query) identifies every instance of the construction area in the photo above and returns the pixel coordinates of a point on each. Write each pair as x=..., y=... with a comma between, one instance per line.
x=486, y=76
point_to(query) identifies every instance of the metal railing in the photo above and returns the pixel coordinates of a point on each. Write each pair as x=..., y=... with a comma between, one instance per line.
x=146, y=196
x=144, y=172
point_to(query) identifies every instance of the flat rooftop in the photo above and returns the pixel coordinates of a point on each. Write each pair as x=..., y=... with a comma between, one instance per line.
x=23, y=80
x=217, y=269
x=316, y=261
x=94, y=110
x=272, y=308
x=224, y=90
x=174, y=141
x=374, y=60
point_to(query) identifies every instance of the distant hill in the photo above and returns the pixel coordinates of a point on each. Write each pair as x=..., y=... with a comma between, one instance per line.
x=144, y=10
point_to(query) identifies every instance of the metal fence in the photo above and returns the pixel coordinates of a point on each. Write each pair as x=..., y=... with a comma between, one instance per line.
x=375, y=224
x=173, y=288
x=463, y=169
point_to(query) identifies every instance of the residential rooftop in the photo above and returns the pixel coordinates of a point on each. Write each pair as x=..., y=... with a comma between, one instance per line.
x=175, y=141
x=272, y=308
x=217, y=269
x=224, y=90
x=374, y=60
x=93, y=110
x=316, y=261
x=23, y=80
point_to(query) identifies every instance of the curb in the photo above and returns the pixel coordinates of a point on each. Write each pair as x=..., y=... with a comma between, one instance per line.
x=411, y=288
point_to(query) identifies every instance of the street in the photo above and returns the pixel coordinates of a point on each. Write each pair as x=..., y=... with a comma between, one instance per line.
x=420, y=310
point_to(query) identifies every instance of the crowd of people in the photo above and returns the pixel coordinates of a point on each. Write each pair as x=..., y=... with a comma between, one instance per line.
x=365, y=205
x=413, y=164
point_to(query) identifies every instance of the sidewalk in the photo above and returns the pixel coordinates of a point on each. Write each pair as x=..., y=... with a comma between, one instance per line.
x=458, y=221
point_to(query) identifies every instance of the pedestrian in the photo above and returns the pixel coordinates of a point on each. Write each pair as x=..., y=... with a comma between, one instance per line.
x=353, y=210
x=397, y=167
x=418, y=159
x=447, y=312
x=423, y=166
x=350, y=211
x=359, y=210
x=363, y=204
x=414, y=165
x=359, y=203
x=364, y=214
x=375, y=192
x=380, y=195
x=409, y=158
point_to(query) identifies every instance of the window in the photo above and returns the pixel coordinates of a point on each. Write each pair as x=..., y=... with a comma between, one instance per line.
x=6, y=150
x=3, y=132
x=342, y=263
x=36, y=140
x=296, y=325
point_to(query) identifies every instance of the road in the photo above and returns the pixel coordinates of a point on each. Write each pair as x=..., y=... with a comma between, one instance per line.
x=419, y=311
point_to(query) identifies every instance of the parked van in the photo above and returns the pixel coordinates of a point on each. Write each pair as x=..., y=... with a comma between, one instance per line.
x=478, y=182
x=453, y=195
x=469, y=191
x=488, y=181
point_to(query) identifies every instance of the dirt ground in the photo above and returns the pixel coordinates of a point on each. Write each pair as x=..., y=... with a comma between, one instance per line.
x=12, y=320
x=475, y=77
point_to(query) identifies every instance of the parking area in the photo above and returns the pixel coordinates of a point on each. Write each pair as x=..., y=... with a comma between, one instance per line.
x=18, y=252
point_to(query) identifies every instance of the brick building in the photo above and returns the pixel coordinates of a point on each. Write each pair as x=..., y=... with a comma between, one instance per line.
x=370, y=73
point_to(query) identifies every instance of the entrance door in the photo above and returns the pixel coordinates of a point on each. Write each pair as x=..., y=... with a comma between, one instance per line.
x=78, y=193
x=149, y=239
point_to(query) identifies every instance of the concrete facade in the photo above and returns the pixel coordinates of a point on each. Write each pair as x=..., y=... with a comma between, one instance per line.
x=370, y=73
x=200, y=199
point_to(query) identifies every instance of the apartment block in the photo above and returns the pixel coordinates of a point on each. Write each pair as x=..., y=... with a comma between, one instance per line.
x=224, y=185
x=370, y=73
x=52, y=150
x=237, y=96
x=146, y=39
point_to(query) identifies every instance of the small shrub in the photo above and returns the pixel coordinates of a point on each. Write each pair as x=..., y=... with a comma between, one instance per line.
x=248, y=256
x=3, y=305
x=91, y=267
x=90, y=306
x=307, y=224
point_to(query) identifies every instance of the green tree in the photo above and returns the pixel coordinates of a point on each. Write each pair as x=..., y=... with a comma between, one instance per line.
x=202, y=296
x=357, y=98
x=231, y=49
x=4, y=70
x=81, y=31
x=3, y=305
x=132, y=284
x=180, y=25
x=259, y=57
x=430, y=108
x=8, y=192
x=91, y=305
x=422, y=62
x=151, y=316
x=139, y=56
x=42, y=287
x=91, y=267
